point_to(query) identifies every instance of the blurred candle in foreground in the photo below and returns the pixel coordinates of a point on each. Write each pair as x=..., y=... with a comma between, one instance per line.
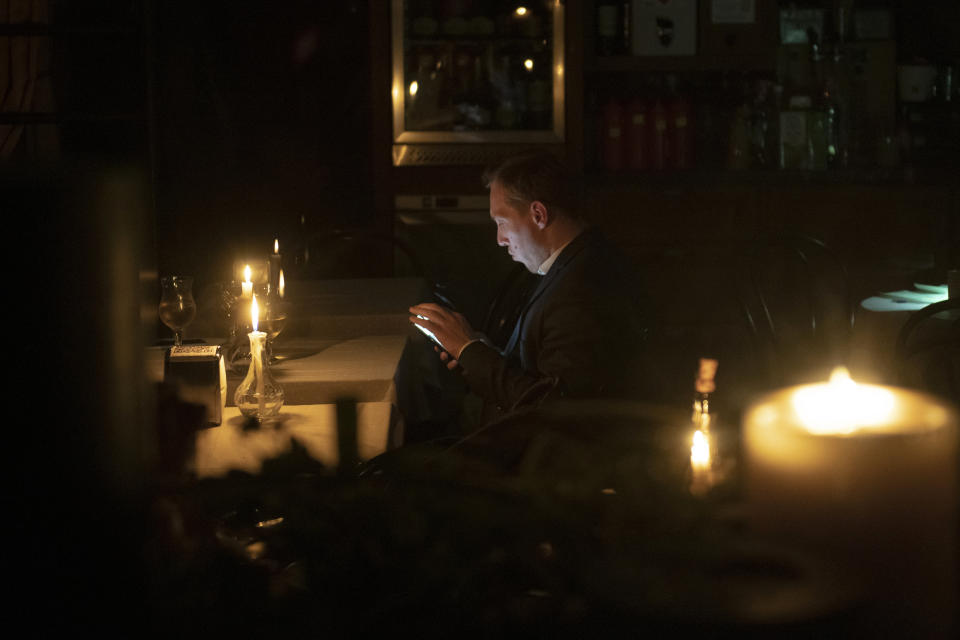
x=700, y=463
x=280, y=285
x=866, y=476
x=246, y=287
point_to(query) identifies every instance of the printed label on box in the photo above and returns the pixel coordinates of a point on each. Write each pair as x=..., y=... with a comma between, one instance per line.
x=195, y=351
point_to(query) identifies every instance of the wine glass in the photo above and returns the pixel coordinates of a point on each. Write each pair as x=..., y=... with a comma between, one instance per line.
x=177, y=307
x=273, y=319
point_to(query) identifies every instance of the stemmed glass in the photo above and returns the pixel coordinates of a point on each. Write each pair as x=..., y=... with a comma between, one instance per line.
x=274, y=318
x=177, y=307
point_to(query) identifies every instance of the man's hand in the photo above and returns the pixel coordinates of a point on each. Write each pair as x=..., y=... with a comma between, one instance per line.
x=451, y=328
x=451, y=362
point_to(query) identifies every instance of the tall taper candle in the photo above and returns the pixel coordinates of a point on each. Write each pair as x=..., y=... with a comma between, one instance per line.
x=276, y=263
x=257, y=339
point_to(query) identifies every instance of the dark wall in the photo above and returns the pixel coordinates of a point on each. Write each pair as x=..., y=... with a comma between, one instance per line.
x=263, y=117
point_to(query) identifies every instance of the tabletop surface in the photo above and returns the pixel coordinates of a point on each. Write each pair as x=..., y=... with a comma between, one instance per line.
x=316, y=370
x=352, y=308
x=314, y=427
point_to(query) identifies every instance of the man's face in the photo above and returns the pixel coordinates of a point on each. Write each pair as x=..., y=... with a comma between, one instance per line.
x=517, y=230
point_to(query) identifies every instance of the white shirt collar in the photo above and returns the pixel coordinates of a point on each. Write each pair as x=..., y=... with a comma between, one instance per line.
x=545, y=267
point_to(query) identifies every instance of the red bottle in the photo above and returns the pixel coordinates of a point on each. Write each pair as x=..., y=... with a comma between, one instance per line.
x=680, y=126
x=659, y=139
x=638, y=127
x=612, y=132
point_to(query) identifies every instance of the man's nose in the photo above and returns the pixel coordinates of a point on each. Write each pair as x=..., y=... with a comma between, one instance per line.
x=502, y=241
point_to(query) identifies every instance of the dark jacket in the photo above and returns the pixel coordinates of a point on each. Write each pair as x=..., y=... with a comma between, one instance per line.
x=580, y=335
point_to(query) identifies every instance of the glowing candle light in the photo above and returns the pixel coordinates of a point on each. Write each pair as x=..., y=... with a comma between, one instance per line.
x=866, y=476
x=700, y=451
x=280, y=285
x=413, y=88
x=521, y=11
x=246, y=287
x=528, y=64
x=276, y=261
x=701, y=463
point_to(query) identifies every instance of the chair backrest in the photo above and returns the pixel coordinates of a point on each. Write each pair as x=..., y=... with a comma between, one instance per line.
x=928, y=349
x=358, y=253
x=794, y=293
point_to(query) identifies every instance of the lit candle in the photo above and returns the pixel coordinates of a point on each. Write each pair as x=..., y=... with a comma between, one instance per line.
x=275, y=264
x=700, y=463
x=865, y=475
x=280, y=285
x=257, y=340
x=246, y=287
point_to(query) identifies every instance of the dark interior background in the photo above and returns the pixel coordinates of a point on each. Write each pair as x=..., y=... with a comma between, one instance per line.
x=263, y=114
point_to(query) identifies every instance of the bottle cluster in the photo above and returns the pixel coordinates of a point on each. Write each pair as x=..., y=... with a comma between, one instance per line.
x=647, y=131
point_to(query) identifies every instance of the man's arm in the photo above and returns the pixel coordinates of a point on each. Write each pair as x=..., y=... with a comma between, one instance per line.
x=570, y=355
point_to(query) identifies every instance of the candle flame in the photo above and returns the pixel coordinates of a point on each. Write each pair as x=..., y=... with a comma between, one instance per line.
x=413, y=88
x=246, y=273
x=280, y=284
x=276, y=245
x=528, y=64
x=700, y=451
x=841, y=406
x=254, y=313
x=521, y=11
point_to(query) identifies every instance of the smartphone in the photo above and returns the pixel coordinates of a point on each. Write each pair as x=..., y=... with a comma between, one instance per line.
x=429, y=333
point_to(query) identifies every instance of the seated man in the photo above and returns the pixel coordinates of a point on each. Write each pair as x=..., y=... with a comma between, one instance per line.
x=581, y=332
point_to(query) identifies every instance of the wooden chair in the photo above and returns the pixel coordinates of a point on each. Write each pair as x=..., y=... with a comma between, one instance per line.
x=794, y=293
x=928, y=350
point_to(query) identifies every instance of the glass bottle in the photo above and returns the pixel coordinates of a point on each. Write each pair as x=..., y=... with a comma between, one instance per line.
x=738, y=149
x=703, y=445
x=704, y=385
x=637, y=123
x=613, y=134
x=679, y=126
x=259, y=395
x=763, y=124
x=607, y=31
x=828, y=106
x=659, y=140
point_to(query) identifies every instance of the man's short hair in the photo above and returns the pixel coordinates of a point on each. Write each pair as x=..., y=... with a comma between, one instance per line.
x=536, y=175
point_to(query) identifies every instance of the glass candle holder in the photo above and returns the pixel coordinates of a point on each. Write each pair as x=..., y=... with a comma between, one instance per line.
x=258, y=395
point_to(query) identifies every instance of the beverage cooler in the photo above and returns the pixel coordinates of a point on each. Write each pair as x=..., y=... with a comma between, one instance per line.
x=472, y=79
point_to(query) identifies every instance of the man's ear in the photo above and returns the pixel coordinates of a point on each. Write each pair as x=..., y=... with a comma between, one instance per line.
x=539, y=213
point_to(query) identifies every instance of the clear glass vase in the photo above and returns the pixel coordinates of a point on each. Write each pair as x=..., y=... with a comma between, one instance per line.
x=258, y=395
